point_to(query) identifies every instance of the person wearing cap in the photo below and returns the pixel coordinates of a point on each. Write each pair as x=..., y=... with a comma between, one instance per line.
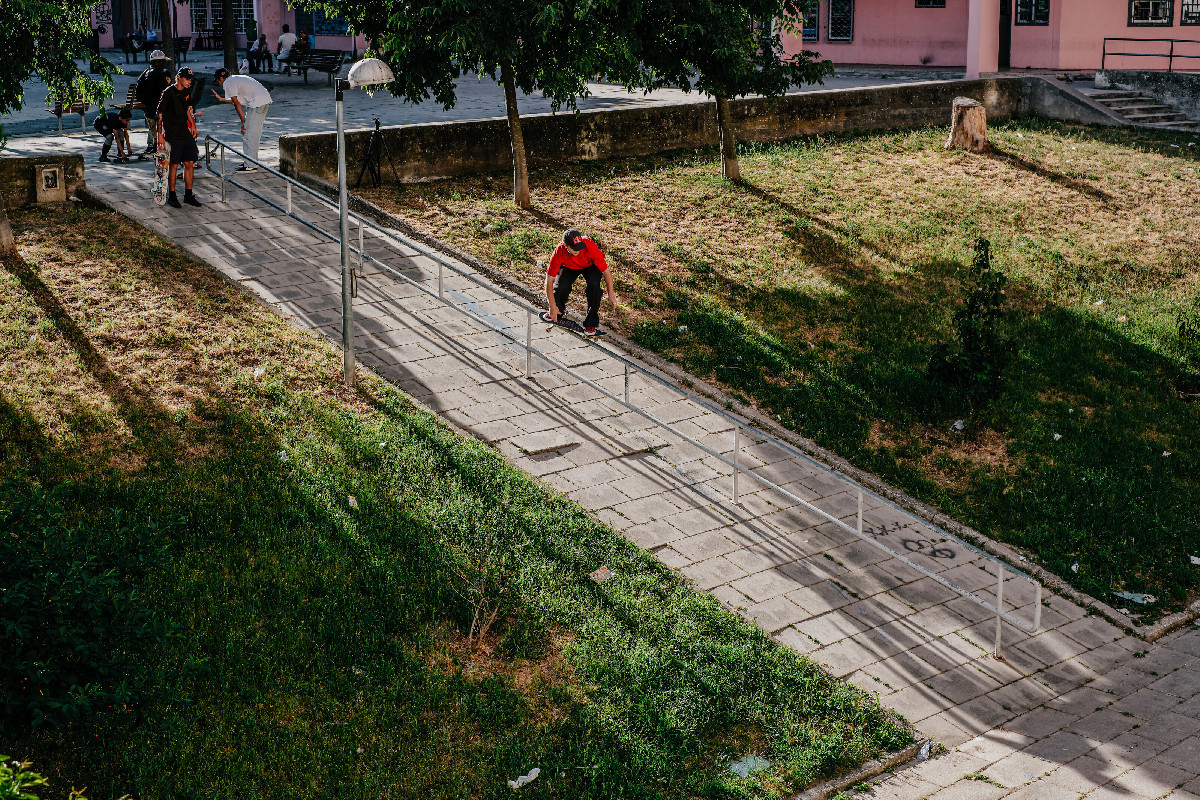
x=177, y=127
x=578, y=255
x=251, y=100
x=150, y=86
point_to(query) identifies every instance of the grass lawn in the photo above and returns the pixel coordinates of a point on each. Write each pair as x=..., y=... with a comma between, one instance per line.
x=271, y=579
x=820, y=288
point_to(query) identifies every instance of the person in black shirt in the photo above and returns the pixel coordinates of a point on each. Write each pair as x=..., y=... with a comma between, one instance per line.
x=114, y=127
x=177, y=127
x=150, y=86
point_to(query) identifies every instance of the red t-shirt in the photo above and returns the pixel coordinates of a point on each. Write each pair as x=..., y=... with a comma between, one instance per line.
x=589, y=255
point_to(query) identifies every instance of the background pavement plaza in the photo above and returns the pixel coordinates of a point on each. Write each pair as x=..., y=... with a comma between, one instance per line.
x=1078, y=709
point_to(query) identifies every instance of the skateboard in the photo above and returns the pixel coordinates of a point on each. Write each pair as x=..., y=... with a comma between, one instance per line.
x=572, y=326
x=162, y=164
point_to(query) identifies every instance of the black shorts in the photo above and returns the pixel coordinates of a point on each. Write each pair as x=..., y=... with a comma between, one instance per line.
x=183, y=150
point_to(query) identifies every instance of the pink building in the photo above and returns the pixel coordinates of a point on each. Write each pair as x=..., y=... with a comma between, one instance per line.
x=198, y=19
x=985, y=36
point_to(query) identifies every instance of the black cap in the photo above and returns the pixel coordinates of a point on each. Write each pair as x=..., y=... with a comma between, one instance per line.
x=573, y=239
x=186, y=72
x=221, y=73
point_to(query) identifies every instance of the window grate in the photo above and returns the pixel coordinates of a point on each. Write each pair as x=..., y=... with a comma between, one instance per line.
x=812, y=26
x=1151, y=12
x=1189, y=14
x=1033, y=12
x=841, y=20
x=931, y=3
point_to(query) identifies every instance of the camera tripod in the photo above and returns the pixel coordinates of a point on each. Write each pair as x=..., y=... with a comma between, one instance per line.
x=373, y=164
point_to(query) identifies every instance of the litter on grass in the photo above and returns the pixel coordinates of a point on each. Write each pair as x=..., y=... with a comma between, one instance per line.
x=259, y=372
x=1075, y=567
x=958, y=425
x=748, y=765
x=352, y=501
x=924, y=753
x=283, y=455
x=1122, y=318
x=524, y=779
x=601, y=575
x=1136, y=597
x=1195, y=560
x=1057, y=436
x=1166, y=453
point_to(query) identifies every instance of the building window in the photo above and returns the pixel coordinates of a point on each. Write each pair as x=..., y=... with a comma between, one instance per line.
x=931, y=3
x=243, y=14
x=812, y=28
x=1190, y=14
x=841, y=20
x=1033, y=12
x=318, y=24
x=1151, y=12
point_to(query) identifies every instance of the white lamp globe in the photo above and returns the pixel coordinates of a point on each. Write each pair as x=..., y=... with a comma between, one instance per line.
x=369, y=72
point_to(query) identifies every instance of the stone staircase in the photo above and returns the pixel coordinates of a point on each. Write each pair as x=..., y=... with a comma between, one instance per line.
x=1142, y=109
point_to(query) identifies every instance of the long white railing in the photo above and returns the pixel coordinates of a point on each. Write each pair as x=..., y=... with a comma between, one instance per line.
x=1002, y=568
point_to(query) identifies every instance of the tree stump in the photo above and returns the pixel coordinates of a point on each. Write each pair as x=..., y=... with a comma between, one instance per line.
x=968, y=126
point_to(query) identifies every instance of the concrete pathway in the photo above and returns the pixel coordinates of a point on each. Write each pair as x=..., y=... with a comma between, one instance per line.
x=1077, y=709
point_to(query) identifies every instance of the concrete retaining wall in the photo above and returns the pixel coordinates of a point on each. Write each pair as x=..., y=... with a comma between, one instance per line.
x=17, y=176
x=1179, y=89
x=442, y=150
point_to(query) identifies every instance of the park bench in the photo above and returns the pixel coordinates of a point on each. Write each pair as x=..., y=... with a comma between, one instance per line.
x=295, y=58
x=130, y=47
x=72, y=108
x=131, y=101
x=328, y=61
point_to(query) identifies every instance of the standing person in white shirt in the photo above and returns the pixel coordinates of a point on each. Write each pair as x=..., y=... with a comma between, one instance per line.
x=286, y=40
x=251, y=99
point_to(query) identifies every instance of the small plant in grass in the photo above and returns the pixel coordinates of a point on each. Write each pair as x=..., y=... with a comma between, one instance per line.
x=483, y=578
x=1187, y=322
x=980, y=351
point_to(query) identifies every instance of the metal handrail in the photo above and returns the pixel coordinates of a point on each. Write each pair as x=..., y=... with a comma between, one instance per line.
x=1170, y=55
x=630, y=365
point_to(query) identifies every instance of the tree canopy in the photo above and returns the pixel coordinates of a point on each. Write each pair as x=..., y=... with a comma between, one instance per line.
x=556, y=46
x=44, y=40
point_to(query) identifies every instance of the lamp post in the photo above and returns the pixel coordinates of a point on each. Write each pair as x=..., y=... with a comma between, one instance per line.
x=368, y=72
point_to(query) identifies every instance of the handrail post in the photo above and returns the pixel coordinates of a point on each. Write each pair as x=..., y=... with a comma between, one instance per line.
x=626, y=383
x=528, y=343
x=1103, y=54
x=999, y=606
x=441, y=281
x=737, y=445
x=289, y=198
x=223, y=173
x=360, y=245
x=860, y=525
x=1171, y=56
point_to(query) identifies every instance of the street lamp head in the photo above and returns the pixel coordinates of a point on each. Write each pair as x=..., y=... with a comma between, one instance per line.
x=369, y=72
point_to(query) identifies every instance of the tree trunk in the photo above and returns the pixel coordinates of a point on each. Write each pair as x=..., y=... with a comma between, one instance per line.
x=968, y=126
x=520, y=171
x=8, y=245
x=729, y=158
x=164, y=22
x=229, y=36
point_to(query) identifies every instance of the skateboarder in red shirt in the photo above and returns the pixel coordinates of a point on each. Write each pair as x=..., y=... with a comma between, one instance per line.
x=578, y=255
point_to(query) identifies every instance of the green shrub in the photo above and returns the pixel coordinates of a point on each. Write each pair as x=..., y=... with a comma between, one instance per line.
x=68, y=624
x=976, y=358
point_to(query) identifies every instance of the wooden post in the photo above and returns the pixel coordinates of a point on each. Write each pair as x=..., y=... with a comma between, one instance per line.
x=968, y=126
